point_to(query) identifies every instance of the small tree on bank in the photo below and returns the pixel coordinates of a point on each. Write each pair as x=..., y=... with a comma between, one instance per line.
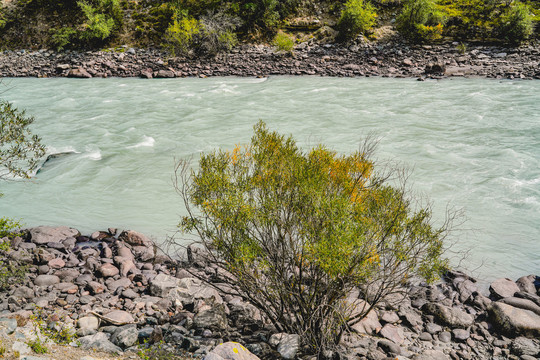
x=295, y=232
x=20, y=151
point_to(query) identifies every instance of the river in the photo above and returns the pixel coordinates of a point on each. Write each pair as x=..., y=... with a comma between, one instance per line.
x=471, y=144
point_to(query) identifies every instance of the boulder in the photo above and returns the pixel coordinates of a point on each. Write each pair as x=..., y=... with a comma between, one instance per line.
x=118, y=317
x=513, y=321
x=99, y=342
x=24, y=292
x=522, y=304
x=125, y=336
x=502, y=288
x=108, y=270
x=46, y=280
x=190, y=289
x=431, y=355
x=80, y=73
x=47, y=234
x=230, y=351
x=212, y=318
x=451, y=316
x=461, y=334
x=393, y=333
x=370, y=323
x=287, y=344
x=162, y=285
x=10, y=325
x=135, y=238
x=524, y=346
x=526, y=284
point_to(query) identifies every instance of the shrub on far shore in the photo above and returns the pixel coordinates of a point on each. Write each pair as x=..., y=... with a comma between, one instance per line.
x=357, y=17
x=312, y=238
x=516, y=23
x=283, y=42
x=420, y=20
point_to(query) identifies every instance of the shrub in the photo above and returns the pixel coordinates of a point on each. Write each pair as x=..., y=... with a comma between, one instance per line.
x=295, y=232
x=63, y=37
x=10, y=271
x=101, y=20
x=516, y=23
x=217, y=32
x=358, y=17
x=181, y=34
x=420, y=20
x=20, y=151
x=283, y=42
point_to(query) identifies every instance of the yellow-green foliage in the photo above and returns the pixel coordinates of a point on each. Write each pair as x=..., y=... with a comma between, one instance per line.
x=421, y=20
x=357, y=17
x=298, y=229
x=516, y=23
x=181, y=33
x=283, y=42
x=99, y=24
x=59, y=332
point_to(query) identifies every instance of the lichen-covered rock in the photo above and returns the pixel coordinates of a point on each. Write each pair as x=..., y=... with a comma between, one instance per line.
x=99, y=342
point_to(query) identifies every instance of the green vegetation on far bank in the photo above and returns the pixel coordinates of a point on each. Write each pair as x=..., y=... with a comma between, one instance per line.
x=211, y=26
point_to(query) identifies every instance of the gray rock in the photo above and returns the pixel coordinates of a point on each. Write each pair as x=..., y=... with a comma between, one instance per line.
x=289, y=345
x=451, y=316
x=24, y=292
x=88, y=323
x=21, y=348
x=526, y=284
x=47, y=234
x=393, y=333
x=513, y=321
x=230, y=351
x=525, y=346
x=370, y=323
x=118, y=317
x=425, y=336
x=502, y=288
x=135, y=238
x=389, y=317
x=433, y=328
x=389, y=347
x=79, y=72
x=125, y=336
x=9, y=324
x=213, y=318
x=46, y=280
x=108, y=270
x=461, y=334
x=165, y=74
x=522, y=304
x=99, y=342
x=445, y=337
x=162, y=285
x=466, y=288
x=431, y=355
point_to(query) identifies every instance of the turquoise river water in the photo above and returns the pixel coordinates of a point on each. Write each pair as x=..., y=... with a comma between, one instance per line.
x=472, y=144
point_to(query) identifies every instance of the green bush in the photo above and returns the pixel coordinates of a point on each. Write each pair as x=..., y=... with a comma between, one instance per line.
x=516, y=23
x=358, y=17
x=20, y=151
x=101, y=20
x=217, y=32
x=63, y=37
x=283, y=42
x=10, y=272
x=420, y=20
x=181, y=34
x=295, y=232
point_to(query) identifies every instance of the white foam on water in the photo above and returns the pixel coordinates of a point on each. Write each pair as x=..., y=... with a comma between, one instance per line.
x=147, y=141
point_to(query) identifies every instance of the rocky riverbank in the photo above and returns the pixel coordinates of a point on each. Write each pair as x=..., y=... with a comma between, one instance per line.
x=359, y=59
x=116, y=291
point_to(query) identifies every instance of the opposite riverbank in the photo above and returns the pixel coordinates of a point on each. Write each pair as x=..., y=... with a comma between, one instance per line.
x=360, y=59
x=116, y=290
